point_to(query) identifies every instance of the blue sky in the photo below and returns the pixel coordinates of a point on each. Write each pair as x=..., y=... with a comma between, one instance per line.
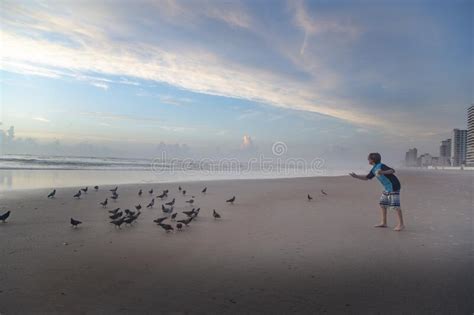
x=322, y=76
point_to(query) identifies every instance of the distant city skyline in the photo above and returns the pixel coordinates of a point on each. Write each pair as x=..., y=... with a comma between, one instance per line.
x=337, y=79
x=455, y=151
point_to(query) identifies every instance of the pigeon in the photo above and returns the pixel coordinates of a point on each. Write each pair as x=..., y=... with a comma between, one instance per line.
x=231, y=200
x=310, y=198
x=162, y=196
x=114, y=190
x=84, y=190
x=138, y=207
x=166, y=191
x=189, y=213
x=184, y=192
x=129, y=213
x=204, y=190
x=130, y=219
x=78, y=195
x=168, y=228
x=104, y=203
x=166, y=210
x=160, y=220
x=179, y=226
x=151, y=204
x=114, y=211
x=171, y=203
x=5, y=216
x=118, y=222
x=186, y=221
x=51, y=194
x=190, y=201
x=140, y=192
x=114, y=197
x=179, y=188
x=323, y=192
x=173, y=216
x=215, y=214
x=150, y=191
x=96, y=188
x=75, y=223
x=116, y=215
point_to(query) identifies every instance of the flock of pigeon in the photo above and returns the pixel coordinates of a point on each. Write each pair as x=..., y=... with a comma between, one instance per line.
x=128, y=216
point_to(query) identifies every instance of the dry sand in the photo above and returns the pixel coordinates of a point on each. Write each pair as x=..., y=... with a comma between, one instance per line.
x=273, y=251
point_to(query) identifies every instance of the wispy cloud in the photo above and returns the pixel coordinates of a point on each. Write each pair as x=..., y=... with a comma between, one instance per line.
x=100, y=85
x=41, y=119
x=119, y=117
x=311, y=26
x=176, y=101
x=248, y=114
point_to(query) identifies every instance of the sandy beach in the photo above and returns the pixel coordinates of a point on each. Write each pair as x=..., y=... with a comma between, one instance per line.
x=272, y=252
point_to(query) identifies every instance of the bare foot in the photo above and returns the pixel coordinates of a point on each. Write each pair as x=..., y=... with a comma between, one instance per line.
x=399, y=228
x=381, y=225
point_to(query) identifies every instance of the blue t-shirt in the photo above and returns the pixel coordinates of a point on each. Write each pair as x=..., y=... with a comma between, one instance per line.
x=390, y=182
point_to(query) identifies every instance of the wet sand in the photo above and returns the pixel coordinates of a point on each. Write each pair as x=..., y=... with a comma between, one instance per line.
x=272, y=252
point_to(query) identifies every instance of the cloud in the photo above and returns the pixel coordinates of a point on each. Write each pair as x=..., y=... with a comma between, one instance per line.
x=41, y=119
x=203, y=73
x=175, y=101
x=228, y=12
x=198, y=71
x=136, y=119
x=249, y=113
x=119, y=117
x=232, y=17
x=100, y=85
x=247, y=143
x=311, y=26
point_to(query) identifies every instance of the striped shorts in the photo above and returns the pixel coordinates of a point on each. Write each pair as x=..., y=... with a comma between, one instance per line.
x=390, y=200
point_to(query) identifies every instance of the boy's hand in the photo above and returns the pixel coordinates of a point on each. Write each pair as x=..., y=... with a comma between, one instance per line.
x=352, y=174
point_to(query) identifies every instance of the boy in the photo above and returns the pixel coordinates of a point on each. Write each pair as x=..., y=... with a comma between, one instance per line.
x=391, y=195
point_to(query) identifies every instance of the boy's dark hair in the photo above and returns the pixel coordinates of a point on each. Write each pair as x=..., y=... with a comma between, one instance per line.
x=375, y=157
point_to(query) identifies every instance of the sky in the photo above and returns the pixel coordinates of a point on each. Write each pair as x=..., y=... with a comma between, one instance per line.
x=328, y=78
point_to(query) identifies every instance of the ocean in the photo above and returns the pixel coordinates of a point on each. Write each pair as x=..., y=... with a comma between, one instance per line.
x=35, y=171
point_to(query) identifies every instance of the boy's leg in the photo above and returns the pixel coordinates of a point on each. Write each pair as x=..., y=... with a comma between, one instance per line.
x=395, y=204
x=400, y=225
x=383, y=202
x=383, y=217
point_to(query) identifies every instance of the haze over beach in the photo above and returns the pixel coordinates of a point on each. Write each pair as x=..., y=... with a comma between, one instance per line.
x=194, y=157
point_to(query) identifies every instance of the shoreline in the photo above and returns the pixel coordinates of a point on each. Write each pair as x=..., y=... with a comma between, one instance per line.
x=149, y=181
x=146, y=177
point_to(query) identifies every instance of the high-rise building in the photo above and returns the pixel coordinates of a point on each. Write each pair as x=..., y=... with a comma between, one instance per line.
x=425, y=160
x=470, y=136
x=458, y=147
x=445, y=153
x=411, y=157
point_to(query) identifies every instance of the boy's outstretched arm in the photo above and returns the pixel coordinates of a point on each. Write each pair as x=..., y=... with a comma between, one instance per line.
x=361, y=177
